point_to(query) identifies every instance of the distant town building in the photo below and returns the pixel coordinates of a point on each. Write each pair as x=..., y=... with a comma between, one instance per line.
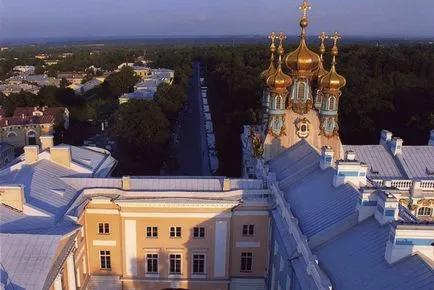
x=71, y=77
x=29, y=123
x=25, y=68
x=81, y=89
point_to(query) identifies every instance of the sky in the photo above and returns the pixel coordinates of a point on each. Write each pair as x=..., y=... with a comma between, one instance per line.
x=22, y=19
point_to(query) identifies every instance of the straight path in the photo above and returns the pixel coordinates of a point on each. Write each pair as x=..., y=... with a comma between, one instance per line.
x=189, y=145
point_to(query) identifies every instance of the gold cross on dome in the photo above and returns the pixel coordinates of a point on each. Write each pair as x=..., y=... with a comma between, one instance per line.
x=281, y=37
x=336, y=36
x=305, y=7
x=272, y=36
x=323, y=36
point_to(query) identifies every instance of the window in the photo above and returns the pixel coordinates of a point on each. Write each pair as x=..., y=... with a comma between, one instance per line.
x=424, y=211
x=105, y=259
x=175, y=232
x=12, y=135
x=151, y=232
x=199, y=232
x=152, y=263
x=198, y=263
x=278, y=103
x=332, y=103
x=246, y=262
x=175, y=263
x=301, y=91
x=103, y=228
x=248, y=230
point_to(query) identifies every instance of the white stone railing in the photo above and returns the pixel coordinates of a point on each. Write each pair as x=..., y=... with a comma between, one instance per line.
x=427, y=184
x=313, y=269
x=401, y=183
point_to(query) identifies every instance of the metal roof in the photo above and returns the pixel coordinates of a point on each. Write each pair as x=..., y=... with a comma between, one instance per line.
x=381, y=162
x=355, y=260
x=418, y=161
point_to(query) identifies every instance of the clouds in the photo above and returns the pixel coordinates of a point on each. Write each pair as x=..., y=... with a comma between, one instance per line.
x=60, y=18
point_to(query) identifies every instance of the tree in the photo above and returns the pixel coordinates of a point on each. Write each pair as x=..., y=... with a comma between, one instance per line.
x=120, y=82
x=64, y=83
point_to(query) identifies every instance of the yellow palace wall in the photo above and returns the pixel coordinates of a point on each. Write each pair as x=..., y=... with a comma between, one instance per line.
x=128, y=245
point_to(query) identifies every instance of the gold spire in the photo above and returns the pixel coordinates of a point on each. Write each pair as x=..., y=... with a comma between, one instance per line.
x=271, y=69
x=333, y=81
x=279, y=81
x=321, y=71
x=302, y=62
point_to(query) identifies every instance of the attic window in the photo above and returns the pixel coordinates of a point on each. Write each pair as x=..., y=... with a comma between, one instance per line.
x=373, y=171
x=429, y=171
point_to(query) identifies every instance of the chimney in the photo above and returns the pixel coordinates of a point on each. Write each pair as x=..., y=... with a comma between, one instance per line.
x=61, y=155
x=31, y=153
x=13, y=196
x=350, y=155
x=431, y=138
x=47, y=141
x=326, y=157
x=350, y=171
x=367, y=203
x=387, y=207
x=126, y=183
x=406, y=239
x=226, y=184
x=396, y=146
x=386, y=137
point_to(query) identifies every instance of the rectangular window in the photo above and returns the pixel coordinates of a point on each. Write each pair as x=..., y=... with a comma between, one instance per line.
x=175, y=232
x=175, y=263
x=105, y=259
x=246, y=262
x=199, y=232
x=248, y=230
x=103, y=228
x=198, y=263
x=152, y=263
x=151, y=232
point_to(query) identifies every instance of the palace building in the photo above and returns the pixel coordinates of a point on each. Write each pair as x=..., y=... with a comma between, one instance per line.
x=310, y=213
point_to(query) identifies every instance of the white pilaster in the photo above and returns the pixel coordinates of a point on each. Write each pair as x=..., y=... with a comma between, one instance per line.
x=71, y=271
x=220, y=248
x=130, y=248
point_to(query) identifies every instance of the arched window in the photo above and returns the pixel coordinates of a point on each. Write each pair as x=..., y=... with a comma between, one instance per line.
x=278, y=102
x=12, y=135
x=319, y=97
x=301, y=91
x=424, y=211
x=31, y=133
x=332, y=103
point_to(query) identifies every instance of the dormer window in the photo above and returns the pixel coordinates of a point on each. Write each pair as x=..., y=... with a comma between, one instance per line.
x=301, y=91
x=332, y=103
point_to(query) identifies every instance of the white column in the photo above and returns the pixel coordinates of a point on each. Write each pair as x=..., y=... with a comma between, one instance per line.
x=130, y=247
x=71, y=271
x=220, y=248
x=58, y=282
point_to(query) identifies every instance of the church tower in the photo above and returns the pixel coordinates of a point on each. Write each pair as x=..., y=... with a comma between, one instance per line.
x=264, y=76
x=292, y=112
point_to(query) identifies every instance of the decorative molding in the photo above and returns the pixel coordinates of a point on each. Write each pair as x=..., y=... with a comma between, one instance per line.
x=193, y=204
x=248, y=244
x=251, y=213
x=108, y=243
x=101, y=211
x=175, y=215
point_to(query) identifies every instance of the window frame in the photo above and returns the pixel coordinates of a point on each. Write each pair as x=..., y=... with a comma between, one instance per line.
x=200, y=235
x=193, y=264
x=105, y=228
x=106, y=255
x=176, y=259
x=147, y=270
x=245, y=257
x=175, y=232
x=249, y=231
x=424, y=210
x=153, y=232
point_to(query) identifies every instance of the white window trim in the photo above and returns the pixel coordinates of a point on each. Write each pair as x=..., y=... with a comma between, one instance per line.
x=198, y=237
x=199, y=275
x=249, y=235
x=175, y=237
x=103, y=226
x=170, y=274
x=152, y=231
x=152, y=275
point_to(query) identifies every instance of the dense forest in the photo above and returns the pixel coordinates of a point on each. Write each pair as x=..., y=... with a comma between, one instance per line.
x=388, y=87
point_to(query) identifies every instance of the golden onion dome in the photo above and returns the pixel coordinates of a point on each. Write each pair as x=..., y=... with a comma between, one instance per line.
x=302, y=62
x=271, y=69
x=279, y=81
x=333, y=81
